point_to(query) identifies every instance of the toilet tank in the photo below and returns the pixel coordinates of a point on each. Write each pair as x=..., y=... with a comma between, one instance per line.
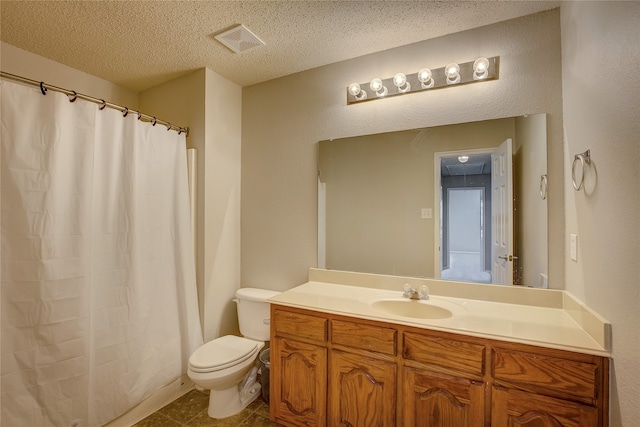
x=253, y=312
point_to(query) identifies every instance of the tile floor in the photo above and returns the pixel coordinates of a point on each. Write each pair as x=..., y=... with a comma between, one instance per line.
x=190, y=410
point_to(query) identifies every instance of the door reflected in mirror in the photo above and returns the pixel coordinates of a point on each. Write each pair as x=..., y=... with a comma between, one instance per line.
x=425, y=203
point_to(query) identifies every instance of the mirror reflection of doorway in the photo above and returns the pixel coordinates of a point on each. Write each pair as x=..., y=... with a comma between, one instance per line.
x=464, y=229
x=465, y=205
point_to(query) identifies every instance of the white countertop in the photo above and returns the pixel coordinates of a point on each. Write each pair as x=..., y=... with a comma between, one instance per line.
x=528, y=324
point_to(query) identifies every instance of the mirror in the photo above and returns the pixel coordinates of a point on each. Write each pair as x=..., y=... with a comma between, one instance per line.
x=427, y=202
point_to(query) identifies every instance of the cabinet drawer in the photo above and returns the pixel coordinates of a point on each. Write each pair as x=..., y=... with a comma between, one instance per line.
x=518, y=408
x=299, y=325
x=446, y=353
x=365, y=337
x=548, y=375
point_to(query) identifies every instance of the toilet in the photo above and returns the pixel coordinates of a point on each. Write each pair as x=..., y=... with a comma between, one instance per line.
x=223, y=364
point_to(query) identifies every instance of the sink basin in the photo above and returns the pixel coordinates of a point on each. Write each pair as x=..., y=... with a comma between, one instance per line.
x=412, y=308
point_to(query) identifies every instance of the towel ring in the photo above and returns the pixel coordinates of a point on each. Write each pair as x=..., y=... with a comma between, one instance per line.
x=543, y=186
x=583, y=159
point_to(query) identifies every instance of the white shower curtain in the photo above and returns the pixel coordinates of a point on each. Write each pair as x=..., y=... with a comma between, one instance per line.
x=98, y=296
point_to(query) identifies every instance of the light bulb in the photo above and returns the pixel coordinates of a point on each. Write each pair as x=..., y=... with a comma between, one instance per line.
x=452, y=71
x=425, y=77
x=377, y=86
x=355, y=90
x=463, y=159
x=400, y=80
x=480, y=68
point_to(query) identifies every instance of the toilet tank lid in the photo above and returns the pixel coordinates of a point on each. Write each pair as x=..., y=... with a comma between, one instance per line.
x=255, y=294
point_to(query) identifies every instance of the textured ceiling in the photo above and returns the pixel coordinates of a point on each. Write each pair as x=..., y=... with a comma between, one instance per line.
x=140, y=44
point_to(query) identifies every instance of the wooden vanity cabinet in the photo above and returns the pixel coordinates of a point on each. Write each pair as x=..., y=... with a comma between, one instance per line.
x=362, y=374
x=443, y=381
x=330, y=370
x=433, y=399
x=548, y=388
x=299, y=369
x=362, y=391
x=514, y=408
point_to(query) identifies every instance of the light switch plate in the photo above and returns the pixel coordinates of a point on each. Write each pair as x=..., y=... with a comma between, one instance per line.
x=574, y=246
x=426, y=213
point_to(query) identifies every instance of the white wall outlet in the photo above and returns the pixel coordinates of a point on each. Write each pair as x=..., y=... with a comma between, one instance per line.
x=574, y=246
x=426, y=213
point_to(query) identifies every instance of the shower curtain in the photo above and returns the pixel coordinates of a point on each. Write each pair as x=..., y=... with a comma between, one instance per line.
x=98, y=295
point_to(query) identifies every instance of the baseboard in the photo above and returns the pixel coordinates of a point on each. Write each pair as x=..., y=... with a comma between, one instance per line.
x=156, y=401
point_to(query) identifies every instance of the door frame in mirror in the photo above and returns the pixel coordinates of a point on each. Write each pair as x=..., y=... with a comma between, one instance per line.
x=437, y=199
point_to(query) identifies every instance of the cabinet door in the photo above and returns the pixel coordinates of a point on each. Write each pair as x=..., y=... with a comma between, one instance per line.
x=437, y=400
x=298, y=383
x=362, y=391
x=514, y=408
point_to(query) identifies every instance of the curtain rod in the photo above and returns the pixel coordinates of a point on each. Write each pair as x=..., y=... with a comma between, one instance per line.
x=73, y=95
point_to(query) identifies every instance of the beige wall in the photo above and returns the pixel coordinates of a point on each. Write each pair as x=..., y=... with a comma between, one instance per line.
x=222, y=204
x=531, y=209
x=211, y=106
x=26, y=64
x=183, y=101
x=602, y=113
x=284, y=119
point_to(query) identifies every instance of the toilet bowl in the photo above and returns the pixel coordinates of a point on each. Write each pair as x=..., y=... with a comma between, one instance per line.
x=222, y=364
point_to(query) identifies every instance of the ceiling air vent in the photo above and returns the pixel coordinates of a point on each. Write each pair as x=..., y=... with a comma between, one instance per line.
x=239, y=39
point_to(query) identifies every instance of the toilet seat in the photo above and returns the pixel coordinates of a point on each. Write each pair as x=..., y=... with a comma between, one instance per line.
x=222, y=353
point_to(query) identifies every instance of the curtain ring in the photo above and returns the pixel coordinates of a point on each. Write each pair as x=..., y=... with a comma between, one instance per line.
x=583, y=158
x=125, y=112
x=139, y=115
x=103, y=106
x=154, y=121
x=75, y=96
x=42, y=88
x=168, y=126
x=543, y=187
x=179, y=131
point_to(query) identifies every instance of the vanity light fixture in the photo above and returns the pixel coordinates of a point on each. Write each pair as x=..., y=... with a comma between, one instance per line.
x=463, y=159
x=379, y=88
x=454, y=74
x=400, y=80
x=480, y=68
x=357, y=92
x=452, y=71
x=425, y=76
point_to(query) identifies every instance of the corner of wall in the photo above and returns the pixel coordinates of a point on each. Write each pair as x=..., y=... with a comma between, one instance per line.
x=35, y=67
